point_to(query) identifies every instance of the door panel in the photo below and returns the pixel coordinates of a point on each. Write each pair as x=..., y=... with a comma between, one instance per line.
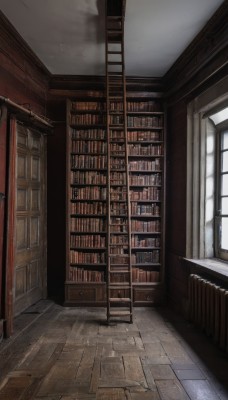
x=30, y=257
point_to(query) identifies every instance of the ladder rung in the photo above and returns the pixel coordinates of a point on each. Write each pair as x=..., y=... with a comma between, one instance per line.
x=115, y=97
x=120, y=300
x=116, y=83
x=119, y=313
x=114, y=17
x=114, y=40
x=118, y=255
x=120, y=271
x=114, y=31
x=114, y=73
x=114, y=52
x=115, y=62
x=119, y=285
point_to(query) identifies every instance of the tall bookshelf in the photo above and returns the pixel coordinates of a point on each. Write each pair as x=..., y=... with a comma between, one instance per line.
x=86, y=256
x=146, y=165
x=87, y=191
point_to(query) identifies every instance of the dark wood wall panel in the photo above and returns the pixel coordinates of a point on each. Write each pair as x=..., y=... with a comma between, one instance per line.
x=56, y=200
x=176, y=178
x=23, y=78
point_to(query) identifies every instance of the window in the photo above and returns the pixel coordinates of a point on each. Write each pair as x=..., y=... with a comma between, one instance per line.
x=207, y=176
x=220, y=119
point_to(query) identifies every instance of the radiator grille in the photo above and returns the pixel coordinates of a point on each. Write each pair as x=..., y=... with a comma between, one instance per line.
x=209, y=308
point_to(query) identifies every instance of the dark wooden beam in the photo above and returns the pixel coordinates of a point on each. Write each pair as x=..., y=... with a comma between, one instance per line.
x=62, y=85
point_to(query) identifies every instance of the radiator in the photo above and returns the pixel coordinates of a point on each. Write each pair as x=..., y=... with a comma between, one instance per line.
x=209, y=308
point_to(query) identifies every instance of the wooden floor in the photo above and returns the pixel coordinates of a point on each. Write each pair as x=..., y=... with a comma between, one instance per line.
x=71, y=354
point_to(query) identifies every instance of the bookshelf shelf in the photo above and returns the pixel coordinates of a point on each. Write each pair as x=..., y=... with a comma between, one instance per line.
x=95, y=170
x=145, y=113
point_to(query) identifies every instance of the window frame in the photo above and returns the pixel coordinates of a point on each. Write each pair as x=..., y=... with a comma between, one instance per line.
x=219, y=251
x=200, y=235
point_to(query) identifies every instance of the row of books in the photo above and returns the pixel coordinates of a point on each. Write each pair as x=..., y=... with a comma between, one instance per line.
x=146, y=150
x=100, y=147
x=118, y=148
x=85, y=275
x=132, y=106
x=89, y=146
x=88, y=177
x=80, y=275
x=138, y=241
x=118, y=208
x=145, y=275
x=88, y=119
x=119, y=240
x=87, y=225
x=118, y=193
x=150, y=122
x=116, y=119
x=119, y=228
x=88, y=134
x=100, y=241
x=117, y=163
x=86, y=161
x=116, y=135
x=146, y=193
x=94, y=162
x=87, y=105
x=117, y=178
x=118, y=259
x=144, y=136
x=144, y=165
x=145, y=257
x=91, y=207
x=89, y=192
x=99, y=193
x=81, y=257
x=145, y=226
x=145, y=209
x=139, y=179
x=117, y=278
x=132, y=121
x=146, y=106
x=87, y=241
x=119, y=249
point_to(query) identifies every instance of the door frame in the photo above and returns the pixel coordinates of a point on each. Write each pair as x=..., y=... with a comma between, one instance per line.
x=3, y=169
x=10, y=241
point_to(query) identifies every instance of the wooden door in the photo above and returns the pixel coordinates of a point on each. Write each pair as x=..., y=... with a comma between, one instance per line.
x=30, y=219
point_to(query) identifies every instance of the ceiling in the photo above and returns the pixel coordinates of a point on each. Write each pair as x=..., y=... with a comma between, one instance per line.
x=68, y=35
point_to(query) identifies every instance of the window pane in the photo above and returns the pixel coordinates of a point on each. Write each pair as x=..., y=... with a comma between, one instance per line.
x=225, y=185
x=224, y=208
x=224, y=233
x=225, y=140
x=225, y=161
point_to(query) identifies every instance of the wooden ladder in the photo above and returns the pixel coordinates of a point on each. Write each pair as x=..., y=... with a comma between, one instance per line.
x=119, y=276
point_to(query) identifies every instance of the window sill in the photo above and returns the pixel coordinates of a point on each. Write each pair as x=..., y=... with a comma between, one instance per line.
x=211, y=266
